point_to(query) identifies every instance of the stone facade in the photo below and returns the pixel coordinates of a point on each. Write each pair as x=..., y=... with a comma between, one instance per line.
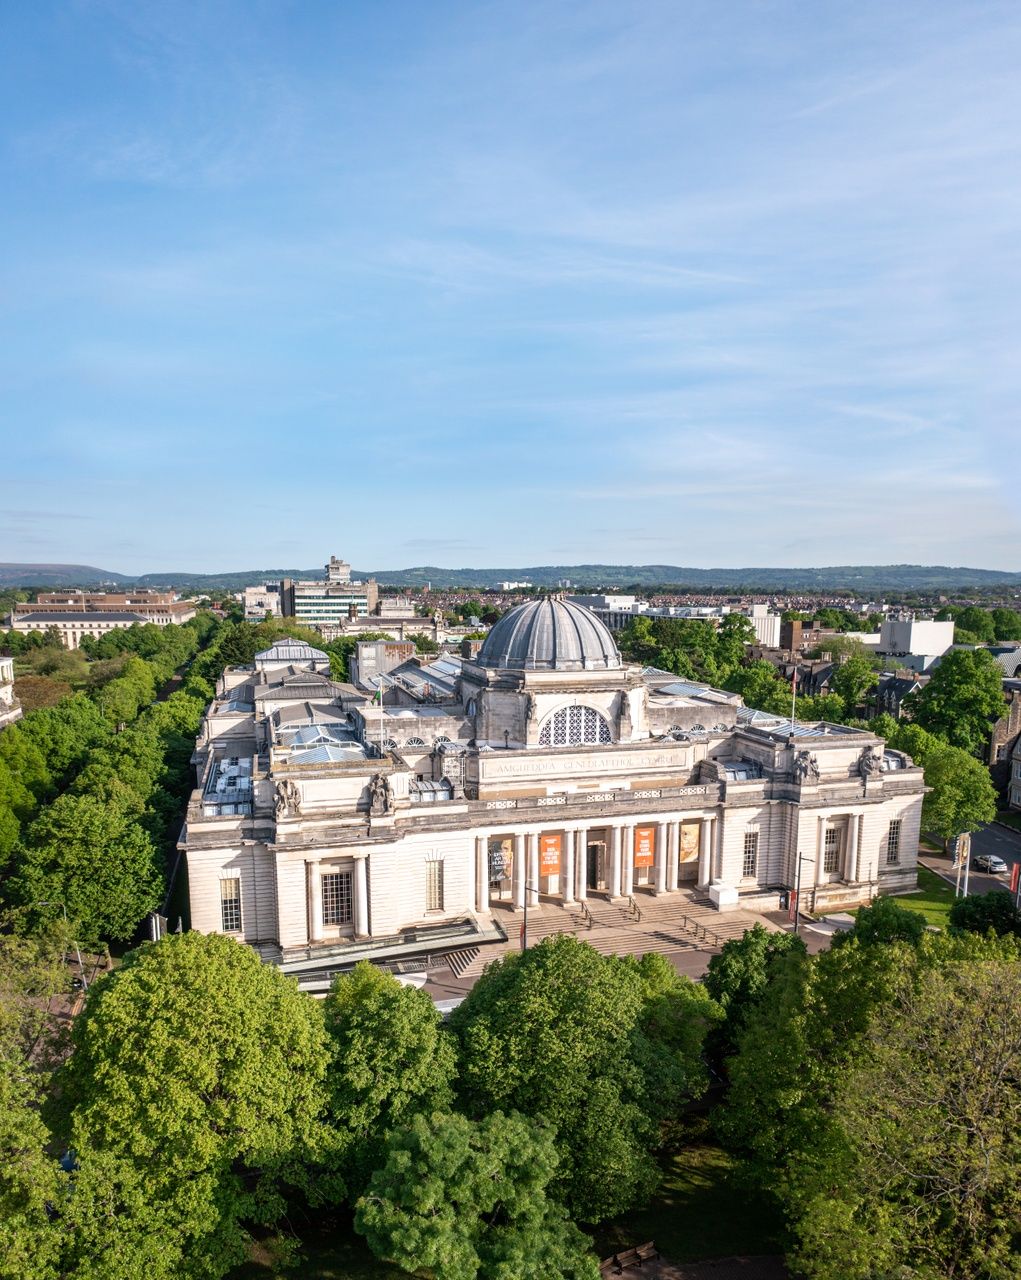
x=323, y=823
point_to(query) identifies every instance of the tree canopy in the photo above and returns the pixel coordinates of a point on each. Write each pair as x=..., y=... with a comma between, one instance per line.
x=561, y=1032
x=467, y=1199
x=390, y=1060
x=195, y=1090
x=963, y=697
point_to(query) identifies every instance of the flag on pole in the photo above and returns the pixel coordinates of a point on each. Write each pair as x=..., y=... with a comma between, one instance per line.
x=792, y=909
x=1015, y=876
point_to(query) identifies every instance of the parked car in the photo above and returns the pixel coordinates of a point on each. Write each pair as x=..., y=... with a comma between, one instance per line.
x=990, y=862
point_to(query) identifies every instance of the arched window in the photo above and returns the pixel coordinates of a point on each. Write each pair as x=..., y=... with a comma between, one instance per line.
x=415, y=742
x=574, y=726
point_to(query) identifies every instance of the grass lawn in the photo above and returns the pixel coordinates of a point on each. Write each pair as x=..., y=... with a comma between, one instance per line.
x=693, y=1215
x=1010, y=818
x=934, y=900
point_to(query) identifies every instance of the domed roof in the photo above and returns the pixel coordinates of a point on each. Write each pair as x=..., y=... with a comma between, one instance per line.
x=551, y=634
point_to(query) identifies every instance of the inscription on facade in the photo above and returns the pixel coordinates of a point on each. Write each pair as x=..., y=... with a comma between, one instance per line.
x=578, y=764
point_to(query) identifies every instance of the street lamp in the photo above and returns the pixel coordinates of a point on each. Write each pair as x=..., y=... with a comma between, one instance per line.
x=57, y=902
x=524, y=925
x=797, y=896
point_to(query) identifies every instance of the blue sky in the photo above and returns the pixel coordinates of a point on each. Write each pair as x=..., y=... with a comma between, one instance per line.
x=510, y=283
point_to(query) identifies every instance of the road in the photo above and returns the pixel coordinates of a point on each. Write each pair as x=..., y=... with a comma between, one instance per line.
x=1001, y=841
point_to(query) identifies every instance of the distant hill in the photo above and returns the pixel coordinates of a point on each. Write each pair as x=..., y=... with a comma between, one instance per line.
x=863, y=578
x=58, y=575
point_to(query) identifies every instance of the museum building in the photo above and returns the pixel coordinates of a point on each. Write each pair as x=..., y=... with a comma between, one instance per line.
x=332, y=821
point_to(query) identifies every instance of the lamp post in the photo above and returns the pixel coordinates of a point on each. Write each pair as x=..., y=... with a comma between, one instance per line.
x=524, y=924
x=56, y=902
x=797, y=896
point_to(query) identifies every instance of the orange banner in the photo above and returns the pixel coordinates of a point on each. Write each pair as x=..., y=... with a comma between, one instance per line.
x=549, y=854
x=645, y=846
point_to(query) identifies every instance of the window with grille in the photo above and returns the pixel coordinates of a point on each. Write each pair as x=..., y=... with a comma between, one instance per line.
x=831, y=851
x=337, y=897
x=574, y=726
x=750, y=863
x=230, y=905
x=434, y=886
x=893, y=844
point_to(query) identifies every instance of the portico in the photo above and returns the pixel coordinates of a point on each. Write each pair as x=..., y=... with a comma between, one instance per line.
x=646, y=854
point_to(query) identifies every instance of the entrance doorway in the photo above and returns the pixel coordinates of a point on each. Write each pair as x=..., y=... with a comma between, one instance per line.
x=687, y=852
x=597, y=869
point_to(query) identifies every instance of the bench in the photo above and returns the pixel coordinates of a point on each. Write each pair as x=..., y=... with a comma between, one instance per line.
x=629, y=1259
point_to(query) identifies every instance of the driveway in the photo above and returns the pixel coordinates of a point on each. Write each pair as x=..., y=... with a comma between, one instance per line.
x=1001, y=841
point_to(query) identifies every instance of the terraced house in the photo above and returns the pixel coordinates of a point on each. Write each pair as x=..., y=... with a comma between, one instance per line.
x=331, y=822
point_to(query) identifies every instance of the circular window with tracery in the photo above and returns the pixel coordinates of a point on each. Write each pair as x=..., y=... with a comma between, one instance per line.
x=574, y=727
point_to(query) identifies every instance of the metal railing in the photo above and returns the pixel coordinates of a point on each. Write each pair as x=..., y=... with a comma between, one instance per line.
x=634, y=910
x=700, y=931
x=586, y=915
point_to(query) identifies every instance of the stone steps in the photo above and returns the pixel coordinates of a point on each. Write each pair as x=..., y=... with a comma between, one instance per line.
x=669, y=923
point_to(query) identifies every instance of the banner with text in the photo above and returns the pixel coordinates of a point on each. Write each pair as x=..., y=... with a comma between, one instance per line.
x=549, y=854
x=645, y=846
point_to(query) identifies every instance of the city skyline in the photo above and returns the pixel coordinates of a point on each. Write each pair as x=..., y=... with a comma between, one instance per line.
x=511, y=285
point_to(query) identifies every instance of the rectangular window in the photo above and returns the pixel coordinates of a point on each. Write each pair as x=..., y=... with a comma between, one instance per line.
x=337, y=897
x=434, y=886
x=749, y=865
x=230, y=906
x=831, y=851
x=893, y=844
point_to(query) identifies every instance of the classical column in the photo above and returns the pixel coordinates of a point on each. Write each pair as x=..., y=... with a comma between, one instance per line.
x=627, y=887
x=567, y=870
x=581, y=864
x=819, y=844
x=716, y=847
x=532, y=889
x=662, y=856
x=615, y=841
x=518, y=873
x=315, y=903
x=361, y=899
x=705, y=853
x=481, y=873
x=672, y=855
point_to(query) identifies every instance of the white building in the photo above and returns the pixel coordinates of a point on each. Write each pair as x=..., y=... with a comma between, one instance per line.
x=10, y=707
x=916, y=642
x=324, y=827
x=765, y=623
x=260, y=600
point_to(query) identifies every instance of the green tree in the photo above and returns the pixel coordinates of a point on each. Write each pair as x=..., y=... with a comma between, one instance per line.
x=975, y=621
x=883, y=921
x=31, y=1184
x=735, y=633
x=424, y=643
x=980, y=912
x=390, y=1060
x=761, y=687
x=194, y=1095
x=963, y=697
x=1006, y=624
x=468, y=1199
x=962, y=795
x=561, y=1032
x=853, y=680
x=922, y=1179
x=738, y=977
x=90, y=855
